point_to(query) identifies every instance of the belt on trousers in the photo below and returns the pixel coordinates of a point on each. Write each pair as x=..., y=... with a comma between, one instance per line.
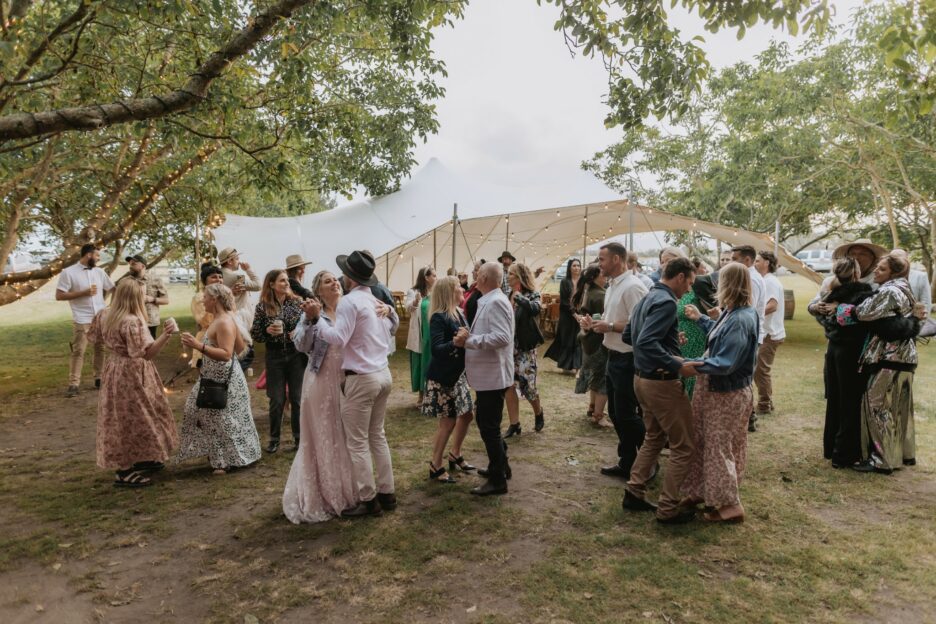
x=658, y=375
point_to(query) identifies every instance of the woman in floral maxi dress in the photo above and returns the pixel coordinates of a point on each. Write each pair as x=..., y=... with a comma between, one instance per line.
x=227, y=436
x=723, y=399
x=135, y=429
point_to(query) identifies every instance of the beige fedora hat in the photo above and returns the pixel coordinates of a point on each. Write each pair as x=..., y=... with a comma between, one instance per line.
x=226, y=254
x=295, y=260
x=842, y=250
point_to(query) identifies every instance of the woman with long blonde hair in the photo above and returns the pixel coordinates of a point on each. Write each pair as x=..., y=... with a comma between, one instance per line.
x=275, y=321
x=527, y=337
x=135, y=428
x=447, y=395
x=227, y=436
x=321, y=481
x=723, y=399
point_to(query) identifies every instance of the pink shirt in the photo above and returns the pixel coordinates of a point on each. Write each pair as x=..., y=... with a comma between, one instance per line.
x=364, y=336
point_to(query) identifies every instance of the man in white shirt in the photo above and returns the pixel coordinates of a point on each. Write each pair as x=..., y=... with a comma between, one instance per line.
x=766, y=265
x=363, y=328
x=623, y=292
x=489, y=366
x=83, y=285
x=746, y=255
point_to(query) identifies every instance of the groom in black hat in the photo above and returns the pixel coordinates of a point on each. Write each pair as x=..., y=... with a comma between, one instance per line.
x=364, y=328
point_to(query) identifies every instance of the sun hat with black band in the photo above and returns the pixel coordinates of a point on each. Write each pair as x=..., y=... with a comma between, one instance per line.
x=359, y=266
x=135, y=258
x=294, y=261
x=506, y=254
x=226, y=254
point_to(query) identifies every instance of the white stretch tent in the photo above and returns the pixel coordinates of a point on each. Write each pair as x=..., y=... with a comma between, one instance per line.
x=542, y=225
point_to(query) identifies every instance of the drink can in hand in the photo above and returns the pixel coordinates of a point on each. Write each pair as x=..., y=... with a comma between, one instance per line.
x=596, y=317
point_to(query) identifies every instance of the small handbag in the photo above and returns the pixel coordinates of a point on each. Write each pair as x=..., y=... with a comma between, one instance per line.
x=213, y=394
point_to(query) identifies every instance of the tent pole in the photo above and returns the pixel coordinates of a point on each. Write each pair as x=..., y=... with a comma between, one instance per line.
x=630, y=225
x=412, y=269
x=454, y=231
x=434, y=259
x=386, y=260
x=198, y=258
x=776, y=239
x=507, y=240
x=585, y=237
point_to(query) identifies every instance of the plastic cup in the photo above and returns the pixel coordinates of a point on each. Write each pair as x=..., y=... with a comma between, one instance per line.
x=596, y=317
x=173, y=325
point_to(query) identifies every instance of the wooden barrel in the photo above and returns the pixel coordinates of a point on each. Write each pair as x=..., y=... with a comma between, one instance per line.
x=789, y=304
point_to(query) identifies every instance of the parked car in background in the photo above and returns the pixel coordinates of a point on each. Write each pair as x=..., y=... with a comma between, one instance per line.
x=817, y=259
x=179, y=275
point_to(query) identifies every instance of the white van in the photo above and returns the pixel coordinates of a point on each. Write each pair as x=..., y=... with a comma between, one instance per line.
x=817, y=259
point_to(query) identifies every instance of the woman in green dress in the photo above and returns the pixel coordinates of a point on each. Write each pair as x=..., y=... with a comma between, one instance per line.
x=694, y=346
x=417, y=340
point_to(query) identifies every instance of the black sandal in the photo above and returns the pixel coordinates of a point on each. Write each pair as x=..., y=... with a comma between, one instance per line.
x=459, y=462
x=435, y=474
x=131, y=479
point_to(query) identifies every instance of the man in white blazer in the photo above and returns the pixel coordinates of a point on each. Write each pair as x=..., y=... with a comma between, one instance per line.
x=489, y=367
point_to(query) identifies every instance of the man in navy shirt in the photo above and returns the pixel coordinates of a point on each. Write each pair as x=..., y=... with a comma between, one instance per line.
x=653, y=331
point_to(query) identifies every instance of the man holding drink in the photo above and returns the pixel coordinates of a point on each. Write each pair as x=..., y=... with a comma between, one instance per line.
x=83, y=285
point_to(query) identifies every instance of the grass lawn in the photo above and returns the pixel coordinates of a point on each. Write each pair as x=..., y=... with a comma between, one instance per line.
x=819, y=545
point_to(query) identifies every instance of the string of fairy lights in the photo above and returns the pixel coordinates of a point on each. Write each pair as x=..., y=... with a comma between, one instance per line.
x=537, y=239
x=23, y=285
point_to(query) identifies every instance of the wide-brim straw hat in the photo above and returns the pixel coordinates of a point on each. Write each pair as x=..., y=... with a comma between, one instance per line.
x=295, y=260
x=226, y=254
x=842, y=250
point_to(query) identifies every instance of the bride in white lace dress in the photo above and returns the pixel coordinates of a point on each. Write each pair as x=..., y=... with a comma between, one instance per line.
x=320, y=483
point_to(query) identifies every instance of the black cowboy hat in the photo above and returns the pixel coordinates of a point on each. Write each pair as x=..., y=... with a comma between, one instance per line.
x=359, y=266
x=507, y=254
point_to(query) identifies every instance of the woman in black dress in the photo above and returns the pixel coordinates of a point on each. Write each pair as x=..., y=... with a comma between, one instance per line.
x=565, y=349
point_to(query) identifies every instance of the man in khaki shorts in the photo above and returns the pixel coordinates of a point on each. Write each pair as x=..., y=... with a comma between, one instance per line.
x=83, y=285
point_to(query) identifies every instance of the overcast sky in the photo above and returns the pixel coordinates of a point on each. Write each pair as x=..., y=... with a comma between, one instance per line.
x=519, y=109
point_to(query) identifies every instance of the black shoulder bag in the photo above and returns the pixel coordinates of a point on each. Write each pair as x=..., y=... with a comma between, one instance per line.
x=213, y=394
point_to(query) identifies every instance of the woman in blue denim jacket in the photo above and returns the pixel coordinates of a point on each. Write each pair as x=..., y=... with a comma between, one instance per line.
x=723, y=400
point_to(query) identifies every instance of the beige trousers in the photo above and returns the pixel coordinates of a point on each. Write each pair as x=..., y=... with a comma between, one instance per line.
x=78, y=345
x=765, y=359
x=667, y=414
x=363, y=408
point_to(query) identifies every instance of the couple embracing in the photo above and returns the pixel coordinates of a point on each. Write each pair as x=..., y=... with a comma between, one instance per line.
x=344, y=399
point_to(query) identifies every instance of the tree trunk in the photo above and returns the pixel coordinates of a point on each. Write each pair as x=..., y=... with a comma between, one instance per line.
x=72, y=252
x=97, y=116
x=19, y=199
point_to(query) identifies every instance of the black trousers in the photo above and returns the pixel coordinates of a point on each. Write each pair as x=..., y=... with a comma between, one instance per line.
x=623, y=408
x=284, y=371
x=489, y=406
x=844, y=385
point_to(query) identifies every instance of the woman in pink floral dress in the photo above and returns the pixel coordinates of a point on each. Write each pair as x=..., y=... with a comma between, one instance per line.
x=320, y=483
x=135, y=429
